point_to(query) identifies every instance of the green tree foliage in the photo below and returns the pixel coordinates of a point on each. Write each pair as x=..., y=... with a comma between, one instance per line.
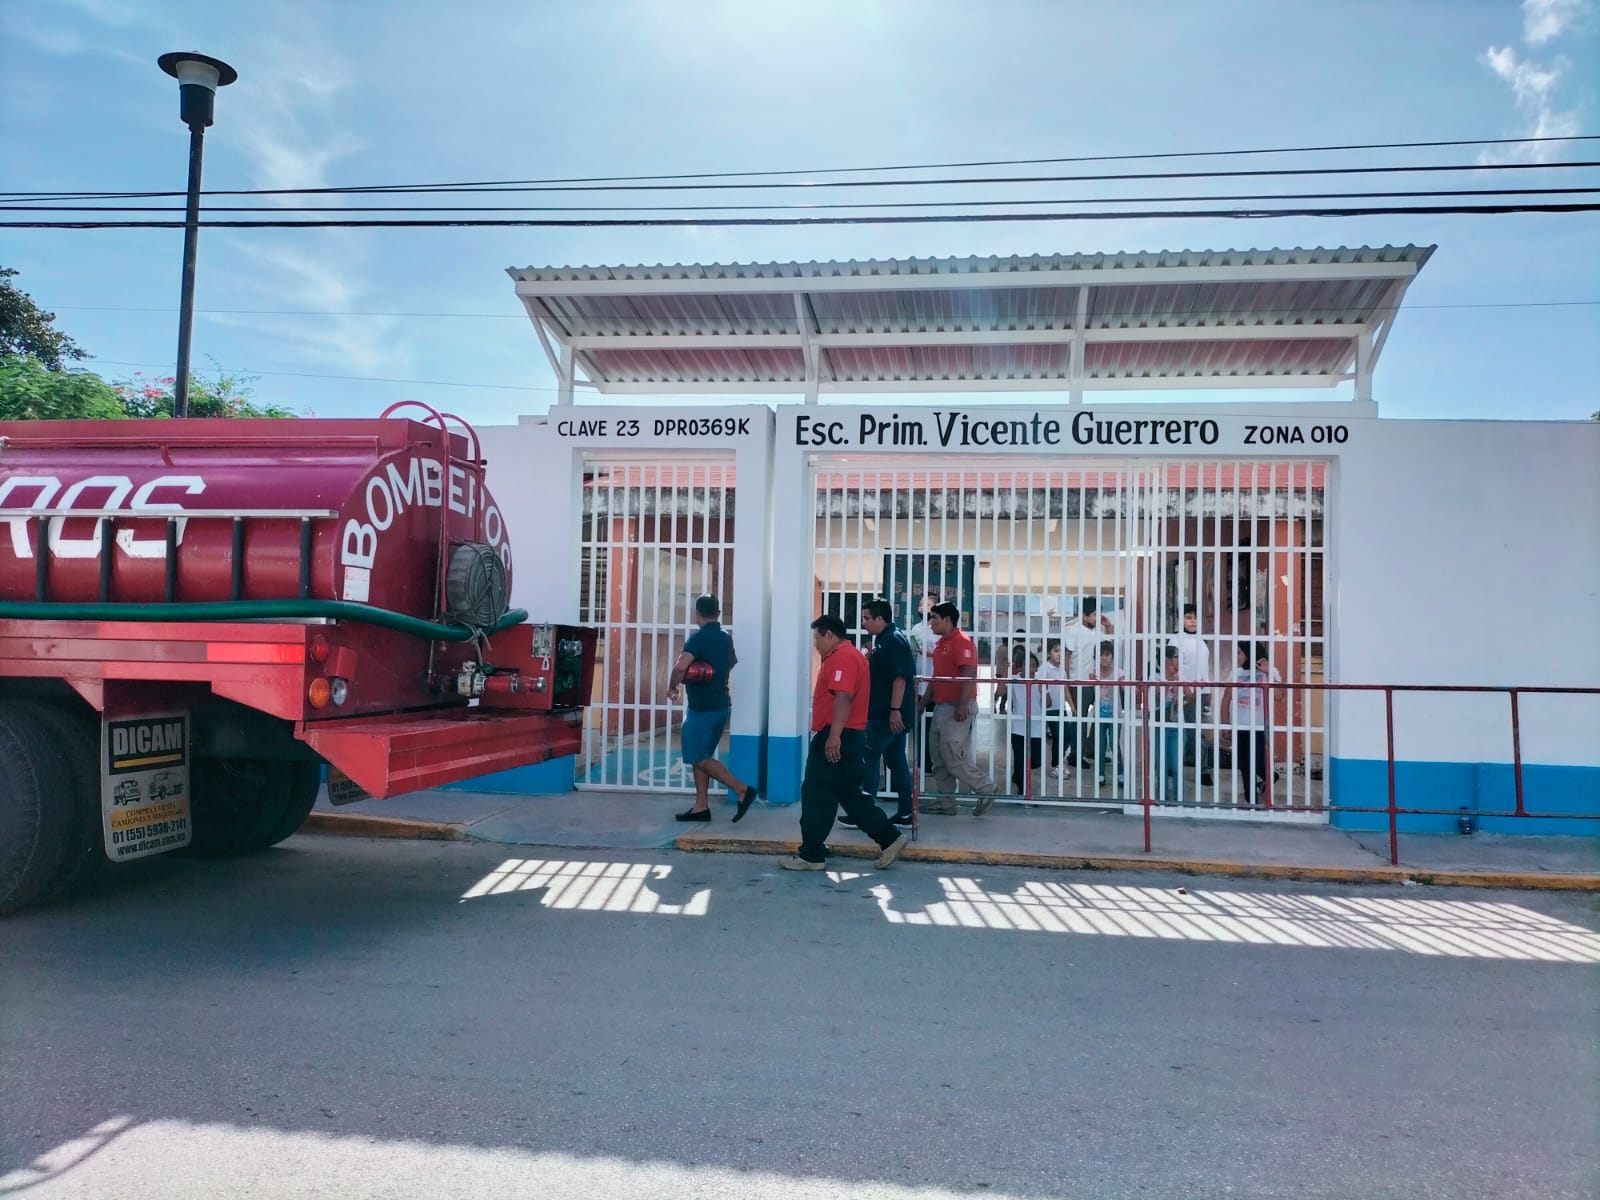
x=26, y=329
x=222, y=395
x=36, y=386
x=31, y=391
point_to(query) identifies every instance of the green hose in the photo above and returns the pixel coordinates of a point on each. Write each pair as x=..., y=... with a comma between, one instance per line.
x=254, y=610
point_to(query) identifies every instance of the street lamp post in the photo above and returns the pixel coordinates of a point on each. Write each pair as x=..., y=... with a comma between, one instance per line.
x=199, y=77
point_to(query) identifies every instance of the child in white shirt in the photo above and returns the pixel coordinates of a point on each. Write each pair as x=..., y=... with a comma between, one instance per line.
x=1250, y=708
x=1025, y=713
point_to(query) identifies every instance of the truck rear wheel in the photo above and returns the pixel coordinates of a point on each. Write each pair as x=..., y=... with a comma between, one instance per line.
x=36, y=813
x=305, y=781
x=77, y=734
x=243, y=805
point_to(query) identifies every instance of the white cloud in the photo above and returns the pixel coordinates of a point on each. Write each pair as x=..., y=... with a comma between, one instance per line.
x=291, y=136
x=1531, y=82
x=1544, y=20
x=1536, y=85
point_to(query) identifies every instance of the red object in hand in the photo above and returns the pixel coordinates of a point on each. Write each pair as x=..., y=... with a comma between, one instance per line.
x=700, y=672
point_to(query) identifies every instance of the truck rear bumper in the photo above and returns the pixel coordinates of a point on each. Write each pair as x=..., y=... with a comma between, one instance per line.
x=407, y=752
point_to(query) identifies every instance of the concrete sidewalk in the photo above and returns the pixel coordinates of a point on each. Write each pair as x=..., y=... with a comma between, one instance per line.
x=1008, y=835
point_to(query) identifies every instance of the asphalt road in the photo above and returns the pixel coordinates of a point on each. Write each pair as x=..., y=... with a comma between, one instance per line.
x=398, y=1019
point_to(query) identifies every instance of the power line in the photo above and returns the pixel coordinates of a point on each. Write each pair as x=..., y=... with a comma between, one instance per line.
x=622, y=339
x=583, y=208
x=895, y=219
x=939, y=166
x=808, y=185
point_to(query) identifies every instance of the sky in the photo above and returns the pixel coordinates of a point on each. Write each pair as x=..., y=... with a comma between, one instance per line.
x=1504, y=322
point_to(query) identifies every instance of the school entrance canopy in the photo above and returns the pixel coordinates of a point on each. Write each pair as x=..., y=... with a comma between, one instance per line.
x=1171, y=320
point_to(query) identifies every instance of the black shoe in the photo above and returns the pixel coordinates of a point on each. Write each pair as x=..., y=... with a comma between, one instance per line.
x=901, y=819
x=751, y=794
x=848, y=823
x=1206, y=780
x=691, y=815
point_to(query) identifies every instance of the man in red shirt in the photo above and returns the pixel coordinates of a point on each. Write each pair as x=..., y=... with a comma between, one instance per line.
x=952, y=697
x=834, y=762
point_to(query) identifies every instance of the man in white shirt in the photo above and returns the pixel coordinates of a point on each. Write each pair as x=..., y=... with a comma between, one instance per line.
x=1194, y=666
x=1081, y=639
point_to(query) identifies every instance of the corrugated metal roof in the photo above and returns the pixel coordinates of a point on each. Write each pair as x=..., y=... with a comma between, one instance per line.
x=982, y=323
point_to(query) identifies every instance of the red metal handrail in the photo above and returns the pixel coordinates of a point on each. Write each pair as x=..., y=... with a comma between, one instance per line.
x=1392, y=809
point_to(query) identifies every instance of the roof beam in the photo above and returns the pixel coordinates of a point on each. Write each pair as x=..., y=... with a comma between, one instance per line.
x=1114, y=276
x=1169, y=383
x=1080, y=325
x=963, y=337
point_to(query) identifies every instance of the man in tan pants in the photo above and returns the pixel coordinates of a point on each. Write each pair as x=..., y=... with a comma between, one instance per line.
x=952, y=697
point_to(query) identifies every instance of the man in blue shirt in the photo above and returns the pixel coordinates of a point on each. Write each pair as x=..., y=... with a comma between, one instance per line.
x=702, y=671
x=893, y=706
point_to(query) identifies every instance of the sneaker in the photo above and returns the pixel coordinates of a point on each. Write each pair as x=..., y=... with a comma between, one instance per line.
x=891, y=852
x=703, y=815
x=795, y=863
x=902, y=819
x=984, y=804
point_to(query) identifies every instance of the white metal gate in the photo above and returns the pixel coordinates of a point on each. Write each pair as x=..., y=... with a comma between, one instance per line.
x=1021, y=547
x=655, y=535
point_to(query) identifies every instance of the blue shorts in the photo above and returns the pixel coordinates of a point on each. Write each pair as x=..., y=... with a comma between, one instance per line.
x=702, y=734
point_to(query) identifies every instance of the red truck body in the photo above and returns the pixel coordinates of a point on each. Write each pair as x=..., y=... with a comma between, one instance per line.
x=341, y=585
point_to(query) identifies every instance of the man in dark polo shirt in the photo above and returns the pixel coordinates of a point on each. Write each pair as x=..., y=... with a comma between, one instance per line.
x=702, y=670
x=833, y=763
x=892, y=710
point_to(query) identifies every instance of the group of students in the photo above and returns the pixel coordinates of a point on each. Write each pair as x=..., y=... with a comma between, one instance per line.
x=865, y=706
x=1084, y=717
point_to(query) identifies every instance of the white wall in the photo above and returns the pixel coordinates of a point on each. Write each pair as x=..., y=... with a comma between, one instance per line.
x=1469, y=553
x=535, y=474
x=1459, y=552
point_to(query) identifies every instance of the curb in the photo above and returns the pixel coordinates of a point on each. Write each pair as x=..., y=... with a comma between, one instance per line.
x=1528, y=881
x=365, y=825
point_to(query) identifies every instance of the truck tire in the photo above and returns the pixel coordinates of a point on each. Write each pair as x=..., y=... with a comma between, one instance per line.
x=305, y=782
x=77, y=733
x=36, y=814
x=245, y=805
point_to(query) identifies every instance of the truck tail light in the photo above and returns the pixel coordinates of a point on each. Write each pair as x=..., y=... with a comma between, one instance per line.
x=320, y=648
x=319, y=693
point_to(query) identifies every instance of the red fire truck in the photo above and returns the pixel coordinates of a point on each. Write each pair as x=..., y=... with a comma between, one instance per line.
x=199, y=618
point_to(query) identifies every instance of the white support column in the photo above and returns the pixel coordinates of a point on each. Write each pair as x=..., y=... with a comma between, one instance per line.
x=1364, y=367
x=793, y=589
x=752, y=563
x=809, y=350
x=1080, y=325
x=564, y=375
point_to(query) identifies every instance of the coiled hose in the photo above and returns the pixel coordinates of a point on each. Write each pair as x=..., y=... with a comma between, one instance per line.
x=257, y=610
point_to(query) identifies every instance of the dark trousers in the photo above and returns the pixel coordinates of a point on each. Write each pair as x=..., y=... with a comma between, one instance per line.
x=1020, y=745
x=1080, y=731
x=830, y=786
x=1250, y=756
x=1191, y=724
x=1052, y=735
x=885, y=745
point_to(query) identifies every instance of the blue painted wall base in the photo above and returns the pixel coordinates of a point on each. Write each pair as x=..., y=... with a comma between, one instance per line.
x=746, y=757
x=786, y=761
x=549, y=778
x=1480, y=788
